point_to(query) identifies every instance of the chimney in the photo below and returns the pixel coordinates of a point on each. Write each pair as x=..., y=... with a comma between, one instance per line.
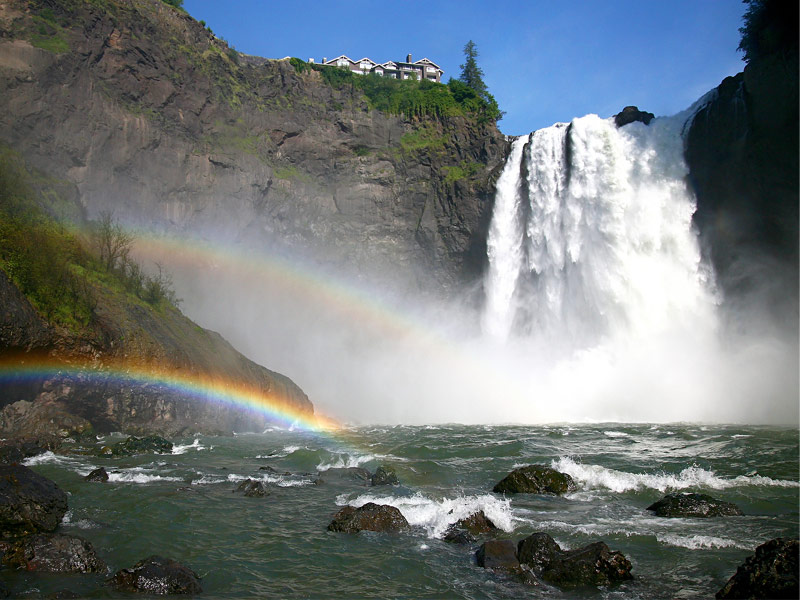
x=311, y=61
x=408, y=58
x=324, y=59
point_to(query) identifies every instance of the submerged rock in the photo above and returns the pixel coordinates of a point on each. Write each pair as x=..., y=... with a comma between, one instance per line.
x=693, y=505
x=159, y=576
x=632, y=114
x=370, y=517
x=384, y=476
x=252, y=488
x=535, y=479
x=497, y=554
x=97, y=475
x=151, y=444
x=770, y=573
x=29, y=502
x=595, y=564
x=53, y=553
x=359, y=474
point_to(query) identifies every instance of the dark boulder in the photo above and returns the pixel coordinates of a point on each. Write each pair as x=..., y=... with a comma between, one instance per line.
x=770, y=573
x=538, y=551
x=384, y=476
x=151, y=444
x=453, y=535
x=158, y=576
x=535, y=479
x=632, y=114
x=498, y=554
x=15, y=451
x=97, y=475
x=53, y=553
x=252, y=488
x=29, y=503
x=370, y=517
x=693, y=505
x=594, y=564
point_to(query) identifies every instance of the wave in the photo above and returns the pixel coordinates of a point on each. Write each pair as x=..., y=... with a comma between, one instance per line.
x=700, y=542
x=138, y=477
x=596, y=476
x=435, y=516
x=184, y=448
x=347, y=461
x=279, y=480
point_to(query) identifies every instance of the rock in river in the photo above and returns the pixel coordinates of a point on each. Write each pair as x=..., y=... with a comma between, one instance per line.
x=693, y=505
x=97, y=475
x=53, y=553
x=370, y=517
x=29, y=502
x=159, y=576
x=535, y=479
x=498, y=554
x=151, y=444
x=253, y=489
x=384, y=476
x=770, y=573
x=595, y=564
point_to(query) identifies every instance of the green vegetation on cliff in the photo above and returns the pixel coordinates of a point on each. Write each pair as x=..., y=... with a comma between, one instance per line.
x=770, y=27
x=56, y=269
x=409, y=97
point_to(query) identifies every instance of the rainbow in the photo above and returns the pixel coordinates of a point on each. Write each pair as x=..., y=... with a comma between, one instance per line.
x=195, y=386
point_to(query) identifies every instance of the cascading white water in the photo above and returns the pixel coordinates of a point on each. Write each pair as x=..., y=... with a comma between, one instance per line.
x=591, y=236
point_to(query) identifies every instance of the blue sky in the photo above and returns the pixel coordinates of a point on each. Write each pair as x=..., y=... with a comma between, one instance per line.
x=544, y=61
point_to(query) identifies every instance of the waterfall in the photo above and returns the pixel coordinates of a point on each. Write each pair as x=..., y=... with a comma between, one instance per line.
x=591, y=236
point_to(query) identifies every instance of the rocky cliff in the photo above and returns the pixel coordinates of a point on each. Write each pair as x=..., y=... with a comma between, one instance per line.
x=152, y=116
x=742, y=151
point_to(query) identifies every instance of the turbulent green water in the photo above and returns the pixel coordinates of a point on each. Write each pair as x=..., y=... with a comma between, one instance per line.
x=182, y=506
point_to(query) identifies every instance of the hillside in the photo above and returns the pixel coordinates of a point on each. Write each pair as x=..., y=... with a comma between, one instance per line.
x=150, y=115
x=69, y=318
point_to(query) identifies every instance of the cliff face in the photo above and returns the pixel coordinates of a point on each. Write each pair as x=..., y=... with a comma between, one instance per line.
x=742, y=151
x=151, y=116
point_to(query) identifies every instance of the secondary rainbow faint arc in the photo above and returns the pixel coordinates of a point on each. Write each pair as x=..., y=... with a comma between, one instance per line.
x=201, y=387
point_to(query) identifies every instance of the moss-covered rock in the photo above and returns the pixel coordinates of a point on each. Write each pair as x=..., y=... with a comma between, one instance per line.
x=693, y=505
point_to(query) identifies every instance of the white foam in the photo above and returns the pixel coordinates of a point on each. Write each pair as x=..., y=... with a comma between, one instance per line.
x=183, y=448
x=699, y=542
x=616, y=434
x=596, y=476
x=80, y=524
x=279, y=480
x=347, y=461
x=137, y=476
x=435, y=516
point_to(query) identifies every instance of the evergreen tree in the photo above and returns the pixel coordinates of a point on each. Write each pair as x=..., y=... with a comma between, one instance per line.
x=471, y=73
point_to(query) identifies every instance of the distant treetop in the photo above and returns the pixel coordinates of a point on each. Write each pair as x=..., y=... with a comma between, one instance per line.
x=770, y=27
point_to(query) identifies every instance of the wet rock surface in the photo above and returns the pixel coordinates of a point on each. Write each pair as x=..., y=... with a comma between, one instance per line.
x=370, y=517
x=497, y=554
x=772, y=572
x=97, y=475
x=151, y=444
x=693, y=505
x=53, y=553
x=632, y=114
x=384, y=475
x=29, y=502
x=252, y=489
x=535, y=479
x=158, y=576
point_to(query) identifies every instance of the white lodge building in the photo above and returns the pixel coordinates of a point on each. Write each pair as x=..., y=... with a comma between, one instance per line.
x=421, y=69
